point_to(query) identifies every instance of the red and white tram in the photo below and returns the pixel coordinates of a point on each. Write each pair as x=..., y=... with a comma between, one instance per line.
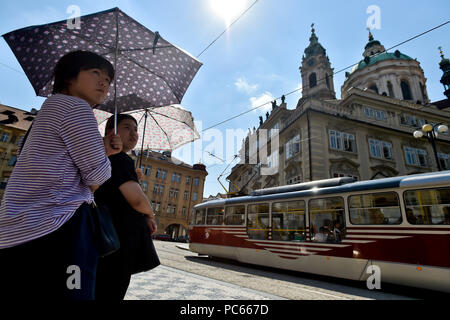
x=337, y=227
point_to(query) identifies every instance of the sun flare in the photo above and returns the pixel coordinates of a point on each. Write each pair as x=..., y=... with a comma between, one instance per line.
x=228, y=9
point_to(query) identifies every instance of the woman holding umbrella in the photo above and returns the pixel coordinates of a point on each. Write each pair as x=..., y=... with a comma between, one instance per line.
x=47, y=250
x=132, y=215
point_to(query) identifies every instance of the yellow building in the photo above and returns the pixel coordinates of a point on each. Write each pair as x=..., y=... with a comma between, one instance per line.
x=173, y=187
x=13, y=125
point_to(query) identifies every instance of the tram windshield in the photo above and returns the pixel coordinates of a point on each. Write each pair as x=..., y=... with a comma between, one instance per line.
x=200, y=215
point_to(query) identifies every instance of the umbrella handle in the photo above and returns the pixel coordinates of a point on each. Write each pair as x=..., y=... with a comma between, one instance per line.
x=143, y=135
x=115, y=70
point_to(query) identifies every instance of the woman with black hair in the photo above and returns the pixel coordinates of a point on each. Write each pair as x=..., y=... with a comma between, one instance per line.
x=47, y=250
x=132, y=215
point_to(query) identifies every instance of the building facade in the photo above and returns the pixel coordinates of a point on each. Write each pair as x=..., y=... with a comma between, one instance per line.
x=13, y=125
x=173, y=188
x=367, y=134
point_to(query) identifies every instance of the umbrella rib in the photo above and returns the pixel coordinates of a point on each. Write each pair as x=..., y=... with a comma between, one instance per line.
x=148, y=48
x=168, y=139
x=163, y=115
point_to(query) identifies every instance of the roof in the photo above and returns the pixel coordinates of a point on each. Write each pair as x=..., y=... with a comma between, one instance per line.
x=16, y=118
x=368, y=61
x=411, y=181
x=167, y=157
x=442, y=104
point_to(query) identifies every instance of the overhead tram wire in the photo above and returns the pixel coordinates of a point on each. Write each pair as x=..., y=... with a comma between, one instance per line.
x=226, y=29
x=324, y=79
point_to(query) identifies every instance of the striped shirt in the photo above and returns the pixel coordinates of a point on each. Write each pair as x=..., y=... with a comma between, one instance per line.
x=63, y=155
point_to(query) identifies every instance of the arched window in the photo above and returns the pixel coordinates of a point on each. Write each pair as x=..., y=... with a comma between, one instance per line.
x=390, y=89
x=327, y=80
x=406, y=91
x=373, y=87
x=312, y=80
x=422, y=89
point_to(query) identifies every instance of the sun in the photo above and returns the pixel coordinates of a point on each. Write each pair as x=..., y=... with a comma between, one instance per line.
x=228, y=9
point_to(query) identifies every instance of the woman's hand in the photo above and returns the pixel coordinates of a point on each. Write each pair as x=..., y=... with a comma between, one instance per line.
x=113, y=144
x=151, y=224
x=139, y=173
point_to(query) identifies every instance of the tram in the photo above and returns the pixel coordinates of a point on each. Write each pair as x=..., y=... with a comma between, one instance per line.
x=337, y=227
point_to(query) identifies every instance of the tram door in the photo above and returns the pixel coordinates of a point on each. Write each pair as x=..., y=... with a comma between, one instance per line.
x=326, y=220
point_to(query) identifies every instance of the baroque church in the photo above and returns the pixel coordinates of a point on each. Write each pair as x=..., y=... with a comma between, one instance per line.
x=367, y=134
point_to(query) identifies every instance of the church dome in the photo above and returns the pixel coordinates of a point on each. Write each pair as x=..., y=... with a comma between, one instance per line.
x=392, y=74
x=372, y=60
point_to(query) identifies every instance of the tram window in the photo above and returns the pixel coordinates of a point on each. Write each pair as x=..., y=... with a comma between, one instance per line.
x=288, y=221
x=327, y=219
x=428, y=206
x=258, y=221
x=375, y=208
x=200, y=216
x=215, y=216
x=235, y=215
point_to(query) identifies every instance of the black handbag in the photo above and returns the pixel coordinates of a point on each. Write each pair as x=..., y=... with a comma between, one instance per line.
x=105, y=235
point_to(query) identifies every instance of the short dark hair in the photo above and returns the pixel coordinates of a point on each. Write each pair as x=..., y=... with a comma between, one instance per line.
x=70, y=65
x=120, y=118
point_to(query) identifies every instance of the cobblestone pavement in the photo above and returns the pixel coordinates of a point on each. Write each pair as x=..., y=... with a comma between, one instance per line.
x=166, y=283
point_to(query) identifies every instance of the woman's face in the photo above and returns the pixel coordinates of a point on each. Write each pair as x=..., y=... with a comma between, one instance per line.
x=91, y=85
x=127, y=129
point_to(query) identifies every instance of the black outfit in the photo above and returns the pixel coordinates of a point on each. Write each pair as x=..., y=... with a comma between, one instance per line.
x=137, y=252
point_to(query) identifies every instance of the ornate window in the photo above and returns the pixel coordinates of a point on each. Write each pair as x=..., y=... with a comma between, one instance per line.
x=390, y=89
x=312, y=80
x=406, y=90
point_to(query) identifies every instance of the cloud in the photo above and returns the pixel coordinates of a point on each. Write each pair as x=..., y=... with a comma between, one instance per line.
x=242, y=85
x=265, y=98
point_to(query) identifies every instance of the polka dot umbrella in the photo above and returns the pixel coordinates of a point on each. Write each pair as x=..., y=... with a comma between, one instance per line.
x=149, y=71
x=163, y=128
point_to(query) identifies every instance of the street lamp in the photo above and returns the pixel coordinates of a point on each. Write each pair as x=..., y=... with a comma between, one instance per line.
x=429, y=131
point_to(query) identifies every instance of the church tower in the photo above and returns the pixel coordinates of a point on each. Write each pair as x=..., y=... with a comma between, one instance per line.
x=316, y=71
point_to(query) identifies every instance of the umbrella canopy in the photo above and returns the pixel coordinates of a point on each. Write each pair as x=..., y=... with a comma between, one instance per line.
x=166, y=128
x=149, y=71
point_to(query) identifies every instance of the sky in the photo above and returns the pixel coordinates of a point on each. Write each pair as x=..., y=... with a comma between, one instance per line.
x=254, y=62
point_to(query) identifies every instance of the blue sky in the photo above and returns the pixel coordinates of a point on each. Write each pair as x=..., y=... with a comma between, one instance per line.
x=255, y=61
